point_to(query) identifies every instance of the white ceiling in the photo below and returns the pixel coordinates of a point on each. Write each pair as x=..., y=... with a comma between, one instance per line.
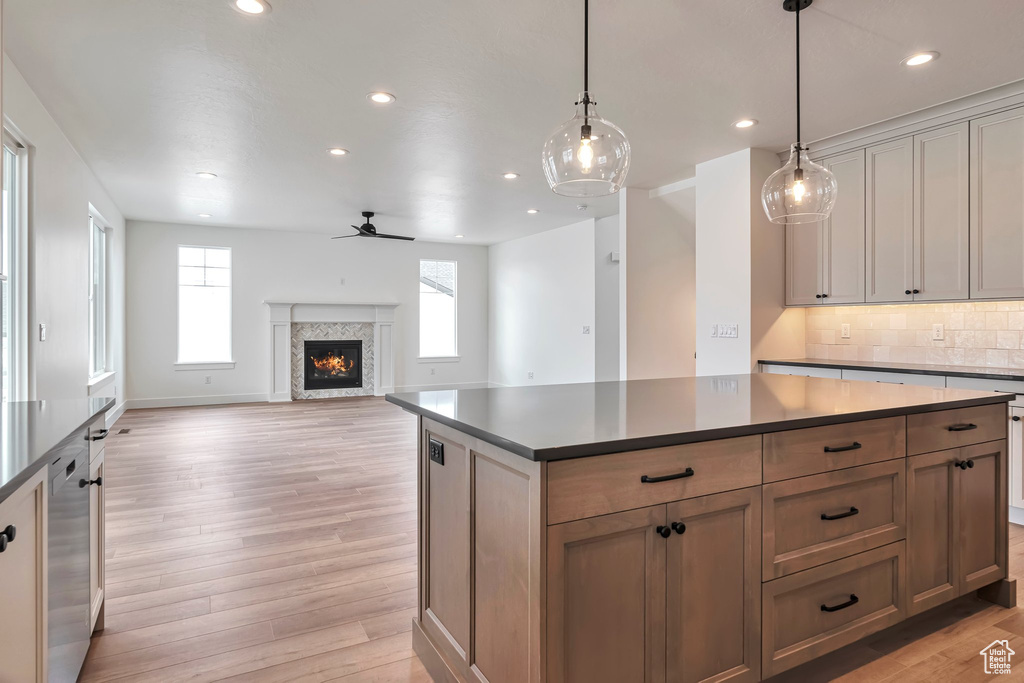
x=151, y=92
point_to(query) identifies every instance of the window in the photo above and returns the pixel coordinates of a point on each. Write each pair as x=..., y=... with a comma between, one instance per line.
x=437, y=309
x=204, y=305
x=97, y=297
x=12, y=277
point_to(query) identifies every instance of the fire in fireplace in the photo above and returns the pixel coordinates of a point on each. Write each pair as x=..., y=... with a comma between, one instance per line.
x=333, y=364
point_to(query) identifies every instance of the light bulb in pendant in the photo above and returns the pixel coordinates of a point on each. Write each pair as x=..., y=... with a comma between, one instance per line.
x=585, y=154
x=799, y=191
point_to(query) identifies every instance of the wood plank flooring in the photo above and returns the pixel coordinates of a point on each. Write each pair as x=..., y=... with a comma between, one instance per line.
x=276, y=542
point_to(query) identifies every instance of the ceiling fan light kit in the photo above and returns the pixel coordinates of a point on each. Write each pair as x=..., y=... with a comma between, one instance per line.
x=801, y=191
x=588, y=155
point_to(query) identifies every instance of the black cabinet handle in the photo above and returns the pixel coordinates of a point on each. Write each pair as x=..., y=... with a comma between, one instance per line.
x=1016, y=418
x=849, y=603
x=101, y=435
x=962, y=427
x=908, y=292
x=841, y=449
x=841, y=515
x=664, y=531
x=678, y=527
x=7, y=536
x=824, y=296
x=817, y=296
x=688, y=472
x=89, y=482
x=963, y=464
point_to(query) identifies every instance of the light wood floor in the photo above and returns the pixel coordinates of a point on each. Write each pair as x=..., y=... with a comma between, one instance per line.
x=277, y=543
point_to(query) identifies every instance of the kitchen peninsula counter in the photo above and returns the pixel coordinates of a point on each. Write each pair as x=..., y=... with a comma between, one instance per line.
x=589, y=531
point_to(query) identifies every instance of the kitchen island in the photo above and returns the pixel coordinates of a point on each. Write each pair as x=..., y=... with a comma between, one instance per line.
x=712, y=528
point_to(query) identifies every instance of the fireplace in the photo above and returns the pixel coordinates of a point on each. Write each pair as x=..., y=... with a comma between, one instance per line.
x=333, y=364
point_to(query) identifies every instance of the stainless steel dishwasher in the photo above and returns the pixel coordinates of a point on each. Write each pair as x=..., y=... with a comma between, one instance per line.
x=68, y=548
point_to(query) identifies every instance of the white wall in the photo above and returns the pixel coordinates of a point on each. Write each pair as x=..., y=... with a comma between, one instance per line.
x=740, y=268
x=658, y=286
x=278, y=265
x=61, y=187
x=542, y=293
x=606, y=299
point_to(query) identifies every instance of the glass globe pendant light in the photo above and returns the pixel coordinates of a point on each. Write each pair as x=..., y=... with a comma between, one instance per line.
x=801, y=191
x=588, y=156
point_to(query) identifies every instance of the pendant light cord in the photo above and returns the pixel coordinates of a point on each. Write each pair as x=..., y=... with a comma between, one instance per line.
x=799, y=144
x=586, y=45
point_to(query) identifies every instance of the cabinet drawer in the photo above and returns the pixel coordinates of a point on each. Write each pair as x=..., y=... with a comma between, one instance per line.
x=600, y=485
x=800, y=452
x=928, y=432
x=814, y=520
x=813, y=612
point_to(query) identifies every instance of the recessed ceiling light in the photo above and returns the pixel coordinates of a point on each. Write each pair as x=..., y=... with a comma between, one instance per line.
x=206, y=175
x=337, y=151
x=251, y=6
x=510, y=176
x=531, y=211
x=459, y=237
x=919, y=58
x=381, y=97
x=745, y=123
x=204, y=215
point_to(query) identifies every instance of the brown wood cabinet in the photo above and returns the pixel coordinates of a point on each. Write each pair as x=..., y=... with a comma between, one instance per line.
x=606, y=598
x=956, y=522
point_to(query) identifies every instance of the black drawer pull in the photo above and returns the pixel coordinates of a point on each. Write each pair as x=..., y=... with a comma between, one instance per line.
x=849, y=603
x=102, y=434
x=963, y=464
x=841, y=515
x=679, y=527
x=962, y=428
x=1016, y=418
x=688, y=472
x=89, y=482
x=840, y=449
x=7, y=536
x=663, y=531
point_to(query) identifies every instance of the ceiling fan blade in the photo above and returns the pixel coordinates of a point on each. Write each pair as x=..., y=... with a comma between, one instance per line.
x=341, y=237
x=394, y=237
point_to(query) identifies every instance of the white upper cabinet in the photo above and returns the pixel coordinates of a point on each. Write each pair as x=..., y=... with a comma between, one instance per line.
x=997, y=205
x=941, y=225
x=843, y=233
x=825, y=261
x=889, y=227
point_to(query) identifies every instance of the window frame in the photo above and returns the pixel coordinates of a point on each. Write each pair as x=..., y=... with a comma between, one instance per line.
x=204, y=364
x=20, y=372
x=98, y=223
x=454, y=357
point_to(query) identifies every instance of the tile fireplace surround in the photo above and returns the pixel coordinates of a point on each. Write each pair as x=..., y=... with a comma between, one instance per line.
x=291, y=323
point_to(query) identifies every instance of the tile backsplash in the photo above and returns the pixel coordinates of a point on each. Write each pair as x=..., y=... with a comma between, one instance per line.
x=977, y=333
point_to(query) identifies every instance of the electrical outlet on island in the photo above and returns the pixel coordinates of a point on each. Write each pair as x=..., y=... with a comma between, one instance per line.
x=845, y=331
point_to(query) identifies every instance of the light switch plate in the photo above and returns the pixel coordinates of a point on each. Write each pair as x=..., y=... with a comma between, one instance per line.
x=730, y=331
x=586, y=329
x=938, y=332
x=845, y=331
x=714, y=330
x=42, y=332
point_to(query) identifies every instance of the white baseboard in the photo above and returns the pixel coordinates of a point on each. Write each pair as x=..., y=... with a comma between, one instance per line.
x=440, y=387
x=1016, y=515
x=114, y=413
x=181, y=401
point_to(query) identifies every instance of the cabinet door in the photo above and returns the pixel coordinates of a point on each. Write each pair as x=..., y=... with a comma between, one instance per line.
x=713, y=594
x=843, y=253
x=932, y=533
x=941, y=220
x=982, y=515
x=803, y=264
x=22, y=627
x=889, y=220
x=997, y=205
x=97, y=544
x=606, y=599
x=1015, y=455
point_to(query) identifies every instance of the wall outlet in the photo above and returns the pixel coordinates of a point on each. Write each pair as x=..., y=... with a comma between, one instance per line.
x=845, y=331
x=586, y=329
x=714, y=330
x=529, y=375
x=208, y=380
x=341, y=281
x=938, y=332
x=433, y=371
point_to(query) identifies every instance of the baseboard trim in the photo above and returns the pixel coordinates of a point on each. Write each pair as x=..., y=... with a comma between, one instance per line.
x=440, y=387
x=116, y=412
x=1016, y=515
x=183, y=401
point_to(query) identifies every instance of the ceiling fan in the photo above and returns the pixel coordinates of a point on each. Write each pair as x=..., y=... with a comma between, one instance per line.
x=367, y=230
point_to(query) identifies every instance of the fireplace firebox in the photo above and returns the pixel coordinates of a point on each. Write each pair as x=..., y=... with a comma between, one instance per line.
x=333, y=364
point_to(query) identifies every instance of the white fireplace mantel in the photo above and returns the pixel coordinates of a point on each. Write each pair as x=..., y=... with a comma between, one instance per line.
x=284, y=313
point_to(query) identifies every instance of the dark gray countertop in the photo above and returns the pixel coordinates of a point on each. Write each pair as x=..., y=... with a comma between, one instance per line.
x=30, y=429
x=560, y=421
x=978, y=372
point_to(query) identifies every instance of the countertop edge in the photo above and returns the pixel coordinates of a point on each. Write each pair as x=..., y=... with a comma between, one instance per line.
x=845, y=365
x=19, y=479
x=663, y=440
